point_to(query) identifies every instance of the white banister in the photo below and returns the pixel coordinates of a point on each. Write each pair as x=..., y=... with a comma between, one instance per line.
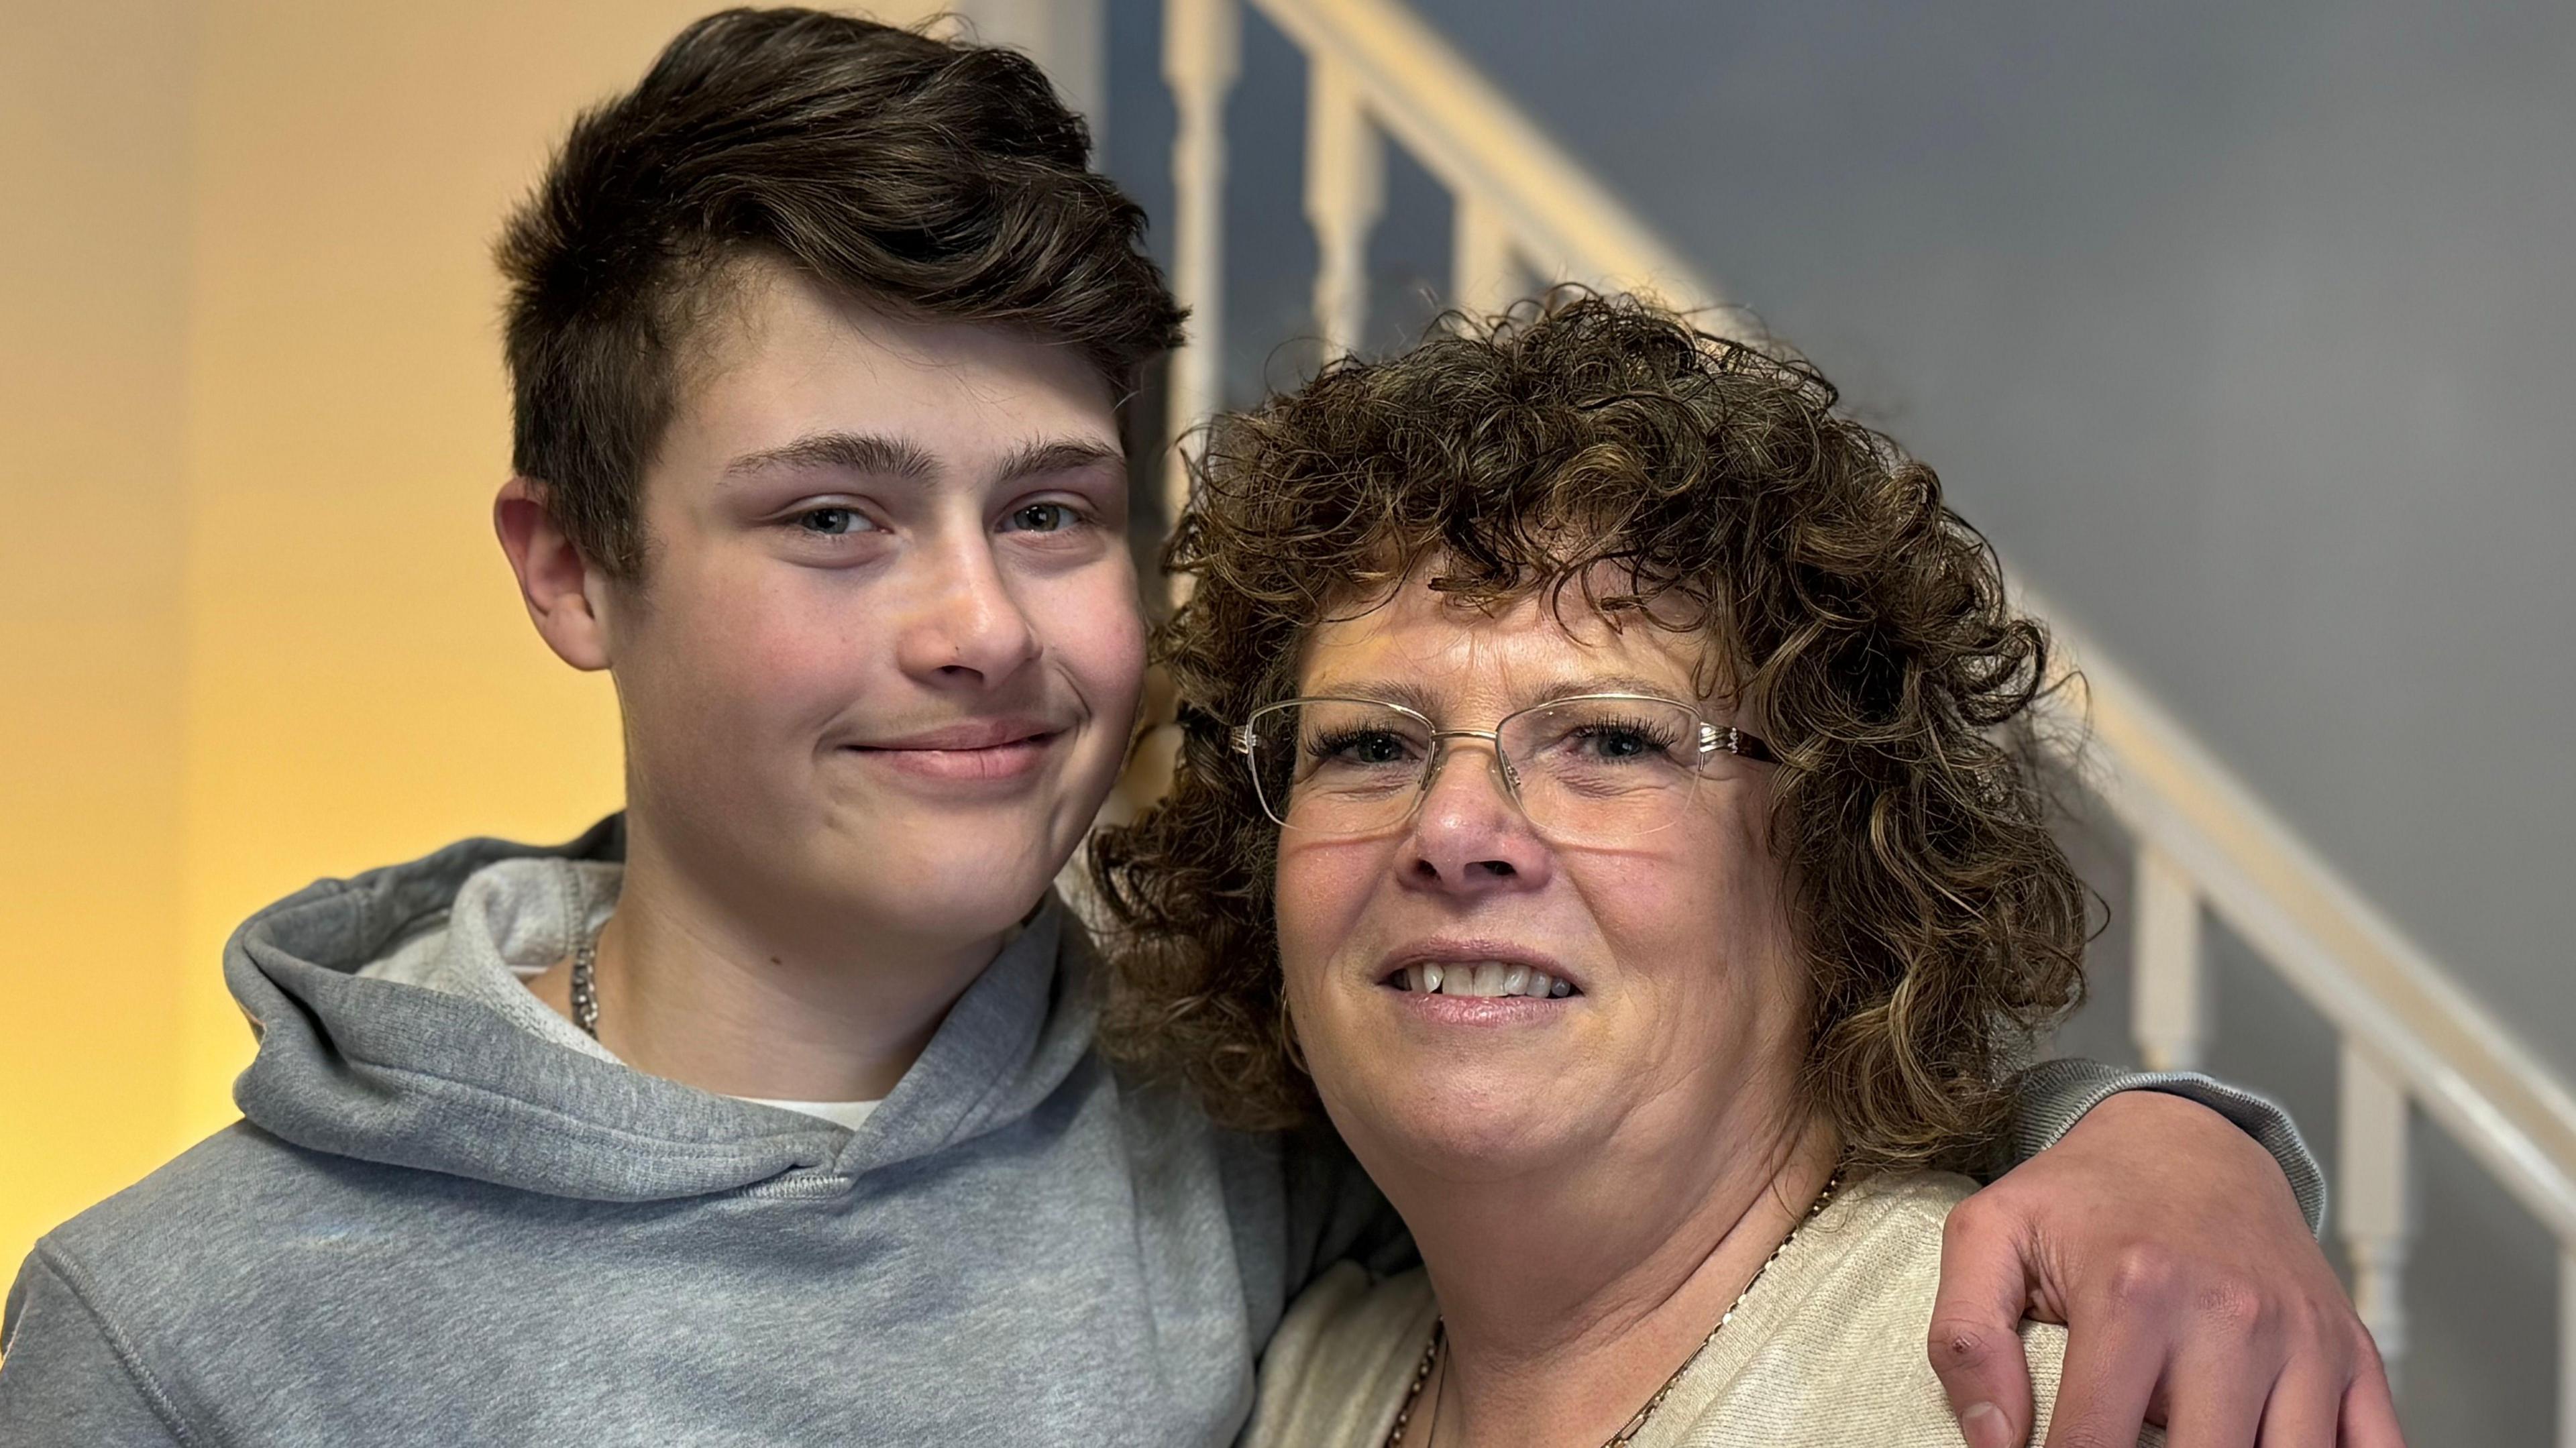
x=1451, y=119
x=2370, y=983
x=1202, y=52
x=2168, y=1013
x=2374, y=1202
x=1345, y=191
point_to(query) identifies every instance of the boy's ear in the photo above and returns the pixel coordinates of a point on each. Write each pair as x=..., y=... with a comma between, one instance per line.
x=564, y=592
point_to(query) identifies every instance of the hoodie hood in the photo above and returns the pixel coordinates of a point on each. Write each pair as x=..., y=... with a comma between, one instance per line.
x=399, y=1074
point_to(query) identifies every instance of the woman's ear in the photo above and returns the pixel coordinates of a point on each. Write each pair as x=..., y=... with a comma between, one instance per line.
x=564, y=590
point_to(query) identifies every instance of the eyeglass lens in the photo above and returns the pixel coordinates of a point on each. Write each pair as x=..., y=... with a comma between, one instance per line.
x=1591, y=767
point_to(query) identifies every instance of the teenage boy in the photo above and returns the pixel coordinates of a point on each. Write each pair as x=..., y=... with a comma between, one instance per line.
x=766, y=1112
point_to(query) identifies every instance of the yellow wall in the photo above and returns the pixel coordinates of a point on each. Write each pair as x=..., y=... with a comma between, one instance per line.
x=253, y=626
x=93, y=541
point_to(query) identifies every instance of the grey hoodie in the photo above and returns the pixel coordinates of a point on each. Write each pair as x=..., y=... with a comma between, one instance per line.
x=437, y=1226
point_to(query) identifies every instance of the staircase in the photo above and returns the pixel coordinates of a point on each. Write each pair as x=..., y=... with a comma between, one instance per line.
x=2202, y=845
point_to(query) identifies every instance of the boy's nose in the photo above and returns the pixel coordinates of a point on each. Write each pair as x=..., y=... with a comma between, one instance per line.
x=968, y=624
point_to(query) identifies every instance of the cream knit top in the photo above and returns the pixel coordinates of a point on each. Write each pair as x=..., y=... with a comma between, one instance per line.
x=1827, y=1350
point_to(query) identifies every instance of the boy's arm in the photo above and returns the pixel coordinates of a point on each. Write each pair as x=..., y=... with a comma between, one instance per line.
x=67, y=1377
x=2055, y=1095
x=2172, y=1230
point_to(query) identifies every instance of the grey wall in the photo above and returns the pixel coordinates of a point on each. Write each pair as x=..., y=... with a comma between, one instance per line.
x=2244, y=330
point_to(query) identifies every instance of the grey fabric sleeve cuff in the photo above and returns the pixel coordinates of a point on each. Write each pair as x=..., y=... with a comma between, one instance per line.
x=2055, y=1095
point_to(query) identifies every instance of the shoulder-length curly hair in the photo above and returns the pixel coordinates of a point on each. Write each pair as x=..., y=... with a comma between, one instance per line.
x=1858, y=619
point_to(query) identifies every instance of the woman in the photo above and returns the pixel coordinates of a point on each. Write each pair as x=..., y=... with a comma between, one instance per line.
x=1592, y=738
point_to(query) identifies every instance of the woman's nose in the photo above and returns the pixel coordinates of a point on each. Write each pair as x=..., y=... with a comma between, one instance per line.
x=1469, y=835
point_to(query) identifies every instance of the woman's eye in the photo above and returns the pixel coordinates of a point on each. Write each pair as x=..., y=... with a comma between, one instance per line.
x=1373, y=747
x=1612, y=742
x=834, y=522
x=1044, y=518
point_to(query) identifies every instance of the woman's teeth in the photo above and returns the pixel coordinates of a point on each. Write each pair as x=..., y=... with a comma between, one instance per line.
x=1484, y=978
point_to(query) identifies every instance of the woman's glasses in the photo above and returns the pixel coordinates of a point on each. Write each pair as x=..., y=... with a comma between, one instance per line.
x=1593, y=767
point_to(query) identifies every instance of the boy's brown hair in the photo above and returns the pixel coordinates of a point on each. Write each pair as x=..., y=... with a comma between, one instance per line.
x=926, y=176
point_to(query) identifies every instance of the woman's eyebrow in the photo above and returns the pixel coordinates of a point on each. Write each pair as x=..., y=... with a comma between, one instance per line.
x=1420, y=700
x=1571, y=687
x=1376, y=691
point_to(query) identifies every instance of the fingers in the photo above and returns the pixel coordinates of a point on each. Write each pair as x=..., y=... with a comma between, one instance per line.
x=2234, y=1367
x=2110, y=1372
x=2306, y=1404
x=2118, y=1343
x=2232, y=1347
x=2223, y=1400
x=2369, y=1412
x=1975, y=1342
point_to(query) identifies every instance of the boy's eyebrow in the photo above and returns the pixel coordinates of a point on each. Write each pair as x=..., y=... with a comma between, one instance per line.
x=1038, y=459
x=881, y=456
x=855, y=452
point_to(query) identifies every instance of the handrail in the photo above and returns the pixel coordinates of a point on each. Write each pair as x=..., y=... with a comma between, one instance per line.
x=1478, y=143
x=2345, y=956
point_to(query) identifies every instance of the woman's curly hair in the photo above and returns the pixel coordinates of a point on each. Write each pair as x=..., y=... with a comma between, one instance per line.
x=1858, y=619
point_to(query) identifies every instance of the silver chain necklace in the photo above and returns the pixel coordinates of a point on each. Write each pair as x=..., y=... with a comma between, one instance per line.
x=1637, y=1423
x=585, y=986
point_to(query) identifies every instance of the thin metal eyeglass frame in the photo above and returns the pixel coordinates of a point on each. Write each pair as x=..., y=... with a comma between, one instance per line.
x=1714, y=739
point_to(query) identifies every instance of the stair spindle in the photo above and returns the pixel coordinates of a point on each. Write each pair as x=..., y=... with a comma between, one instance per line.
x=2169, y=1013
x=2374, y=1203
x=1345, y=192
x=2566, y=1347
x=1202, y=53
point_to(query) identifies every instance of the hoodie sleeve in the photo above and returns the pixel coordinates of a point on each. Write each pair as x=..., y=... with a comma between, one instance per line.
x=2054, y=1095
x=67, y=1376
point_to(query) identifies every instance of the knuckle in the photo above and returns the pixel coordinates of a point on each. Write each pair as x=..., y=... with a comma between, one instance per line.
x=1971, y=1221
x=2232, y=1306
x=2327, y=1325
x=2143, y=1276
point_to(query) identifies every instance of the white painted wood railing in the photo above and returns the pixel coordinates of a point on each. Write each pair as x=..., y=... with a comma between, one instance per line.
x=1524, y=212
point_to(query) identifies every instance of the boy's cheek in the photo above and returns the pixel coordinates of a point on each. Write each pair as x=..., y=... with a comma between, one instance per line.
x=1099, y=628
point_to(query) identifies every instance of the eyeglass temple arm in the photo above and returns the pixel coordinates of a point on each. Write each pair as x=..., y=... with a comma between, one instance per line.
x=1727, y=739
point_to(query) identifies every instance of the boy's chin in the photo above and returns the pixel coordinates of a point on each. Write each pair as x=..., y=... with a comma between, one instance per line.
x=947, y=877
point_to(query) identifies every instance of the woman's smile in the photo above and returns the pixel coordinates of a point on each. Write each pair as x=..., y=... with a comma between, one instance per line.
x=1480, y=978
x=1478, y=983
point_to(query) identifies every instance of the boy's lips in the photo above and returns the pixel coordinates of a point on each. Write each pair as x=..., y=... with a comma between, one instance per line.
x=973, y=749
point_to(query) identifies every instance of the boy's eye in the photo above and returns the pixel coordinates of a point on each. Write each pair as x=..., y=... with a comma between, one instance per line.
x=834, y=522
x=1044, y=518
